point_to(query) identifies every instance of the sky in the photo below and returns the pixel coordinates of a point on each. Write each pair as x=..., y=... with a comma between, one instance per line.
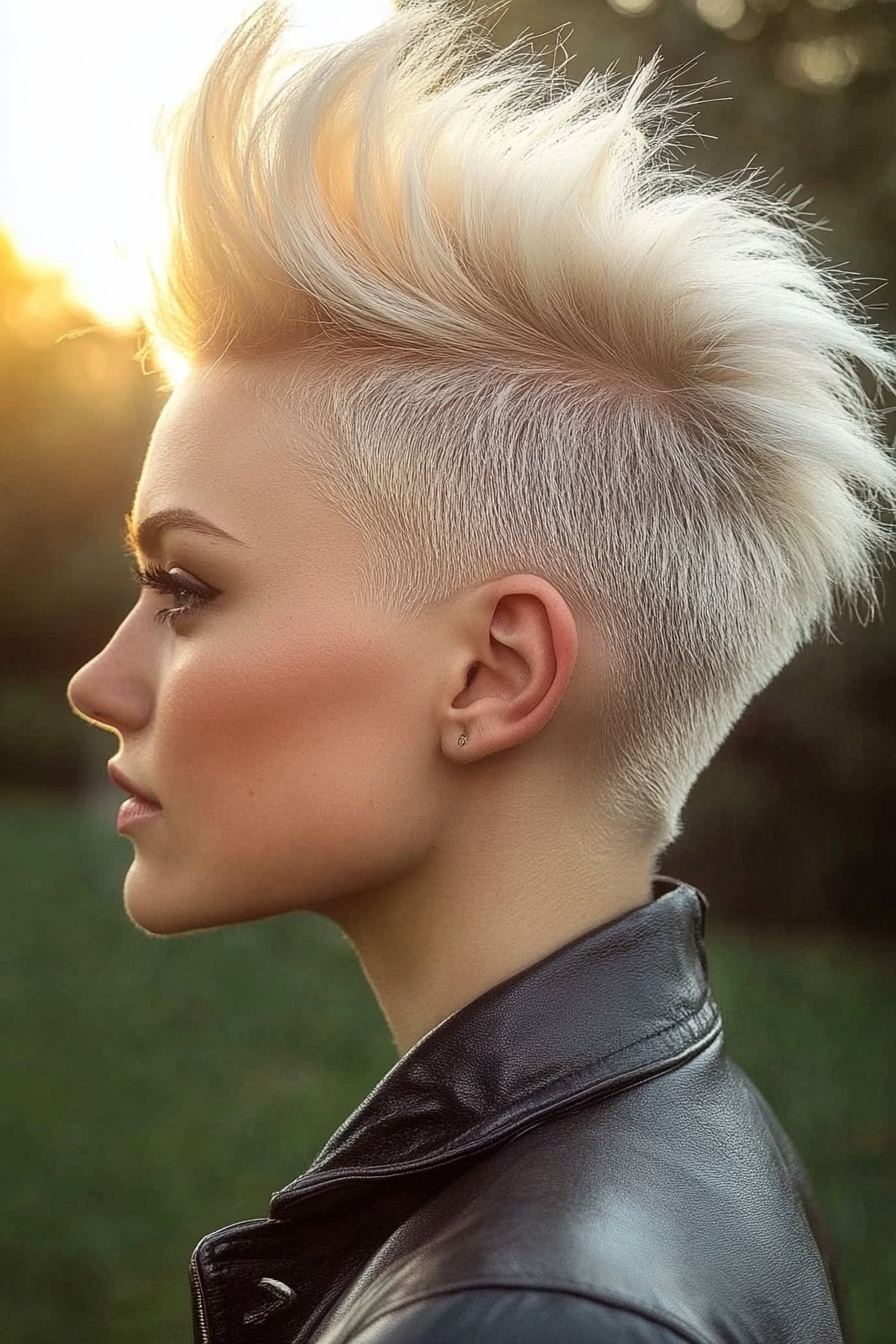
x=83, y=84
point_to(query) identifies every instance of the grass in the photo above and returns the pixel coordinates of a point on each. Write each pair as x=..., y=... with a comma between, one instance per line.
x=157, y=1089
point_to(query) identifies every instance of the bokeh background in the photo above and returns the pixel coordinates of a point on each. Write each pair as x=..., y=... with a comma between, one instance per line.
x=156, y=1089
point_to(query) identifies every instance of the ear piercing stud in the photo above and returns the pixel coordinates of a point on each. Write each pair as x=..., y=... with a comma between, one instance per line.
x=462, y=740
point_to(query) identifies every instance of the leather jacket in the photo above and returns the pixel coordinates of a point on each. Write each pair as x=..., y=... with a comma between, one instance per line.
x=572, y=1157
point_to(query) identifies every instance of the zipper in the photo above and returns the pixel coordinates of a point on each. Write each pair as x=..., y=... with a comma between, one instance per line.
x=201, y=1331
x=200, y=1319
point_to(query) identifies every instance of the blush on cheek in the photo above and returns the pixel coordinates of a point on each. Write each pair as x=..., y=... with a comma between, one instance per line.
x=293, y=775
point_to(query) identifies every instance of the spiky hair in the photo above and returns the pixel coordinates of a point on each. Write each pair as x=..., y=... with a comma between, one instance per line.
x=549, y=349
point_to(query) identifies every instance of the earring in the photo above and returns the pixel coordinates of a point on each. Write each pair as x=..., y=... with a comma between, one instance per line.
x=462, y=740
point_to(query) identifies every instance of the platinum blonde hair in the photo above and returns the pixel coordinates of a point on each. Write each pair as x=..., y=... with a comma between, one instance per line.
x=546, y=348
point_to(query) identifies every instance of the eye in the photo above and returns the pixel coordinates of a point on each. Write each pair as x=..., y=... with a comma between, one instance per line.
x=164, y=582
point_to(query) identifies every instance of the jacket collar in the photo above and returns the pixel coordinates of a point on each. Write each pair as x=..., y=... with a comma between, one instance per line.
x=624, y=1002
x=621, y=1002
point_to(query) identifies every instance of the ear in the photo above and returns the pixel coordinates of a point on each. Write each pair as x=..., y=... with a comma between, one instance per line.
x=521, y=647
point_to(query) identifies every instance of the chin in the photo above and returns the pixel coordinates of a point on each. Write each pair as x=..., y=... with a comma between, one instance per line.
x=155, y=909
x=164, y=908
x=161, y=923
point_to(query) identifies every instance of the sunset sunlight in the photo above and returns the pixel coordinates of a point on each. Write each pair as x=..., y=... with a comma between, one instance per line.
x=83, y=87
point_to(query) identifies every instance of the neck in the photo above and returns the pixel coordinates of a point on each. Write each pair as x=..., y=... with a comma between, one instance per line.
x=488, y=901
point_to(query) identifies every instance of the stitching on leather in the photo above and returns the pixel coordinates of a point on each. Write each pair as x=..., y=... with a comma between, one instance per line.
x=585, y=1068
x=501, y=1121
x=338, y=1175
x=668, y=1321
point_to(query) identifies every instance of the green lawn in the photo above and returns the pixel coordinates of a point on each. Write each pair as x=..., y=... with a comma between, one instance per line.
x=156, y=1089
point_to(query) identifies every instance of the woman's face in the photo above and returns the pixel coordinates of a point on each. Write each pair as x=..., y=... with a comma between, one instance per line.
x=292, y=743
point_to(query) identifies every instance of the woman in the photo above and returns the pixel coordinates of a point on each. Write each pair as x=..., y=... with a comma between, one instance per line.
x=513, y=462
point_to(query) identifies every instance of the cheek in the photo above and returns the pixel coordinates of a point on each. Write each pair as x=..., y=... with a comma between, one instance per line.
x=295, y=769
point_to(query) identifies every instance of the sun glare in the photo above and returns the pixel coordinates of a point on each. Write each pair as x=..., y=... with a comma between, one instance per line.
x=83, y=85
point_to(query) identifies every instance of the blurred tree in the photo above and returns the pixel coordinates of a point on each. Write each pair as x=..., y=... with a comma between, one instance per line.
x=75, y=413
x=802, y=88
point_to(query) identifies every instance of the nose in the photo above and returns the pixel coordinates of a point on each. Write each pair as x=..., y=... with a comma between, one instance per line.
x=110, y=690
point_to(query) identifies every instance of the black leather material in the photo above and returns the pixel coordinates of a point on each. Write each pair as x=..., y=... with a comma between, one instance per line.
x=522, y=1315
x=572, y=1156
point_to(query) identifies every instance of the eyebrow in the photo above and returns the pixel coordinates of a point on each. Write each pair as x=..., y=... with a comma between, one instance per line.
x=144, y=538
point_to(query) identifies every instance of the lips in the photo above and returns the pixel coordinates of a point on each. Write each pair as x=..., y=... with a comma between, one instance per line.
x=119, y=778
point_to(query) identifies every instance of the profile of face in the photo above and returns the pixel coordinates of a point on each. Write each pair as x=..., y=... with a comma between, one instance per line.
x=288, y=736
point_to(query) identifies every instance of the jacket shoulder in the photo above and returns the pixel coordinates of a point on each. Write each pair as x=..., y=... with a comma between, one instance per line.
x=513, y=1316
x=670, y=1203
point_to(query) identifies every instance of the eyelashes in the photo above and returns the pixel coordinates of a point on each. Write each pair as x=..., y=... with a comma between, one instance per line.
x=163, y=582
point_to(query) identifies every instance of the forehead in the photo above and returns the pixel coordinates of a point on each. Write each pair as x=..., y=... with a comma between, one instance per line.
x=226, y=448
x=221, y=448
x=211, y=426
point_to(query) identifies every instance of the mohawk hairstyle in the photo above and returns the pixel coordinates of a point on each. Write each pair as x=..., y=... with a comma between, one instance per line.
x=547, y=349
